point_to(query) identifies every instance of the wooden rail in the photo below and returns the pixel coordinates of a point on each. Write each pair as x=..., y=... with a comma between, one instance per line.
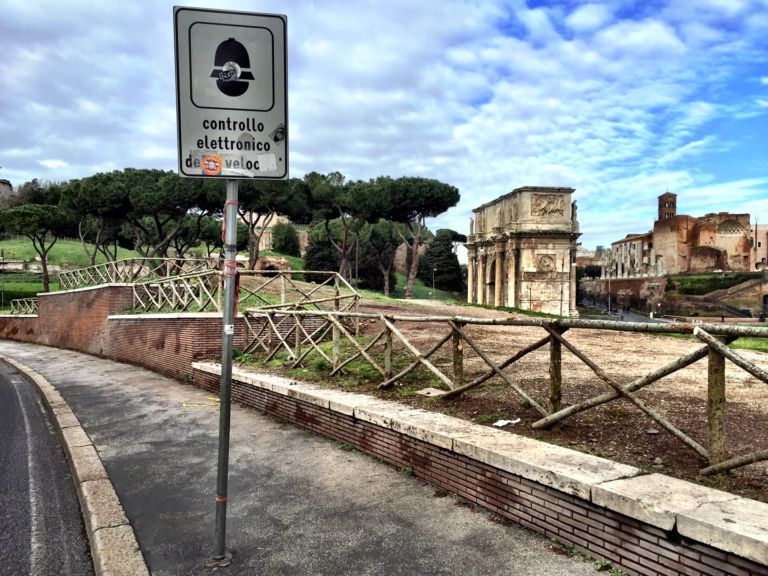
x=275, y=290
x=132, y=270
x=24, y=306
x=272, y=331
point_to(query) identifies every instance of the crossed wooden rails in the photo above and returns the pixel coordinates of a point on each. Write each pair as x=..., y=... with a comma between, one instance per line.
x=24, y=306
x=271, y=331
x=203, y=291
x=130, y=270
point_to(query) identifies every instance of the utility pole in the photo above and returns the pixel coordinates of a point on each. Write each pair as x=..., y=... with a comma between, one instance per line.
x=221, y=556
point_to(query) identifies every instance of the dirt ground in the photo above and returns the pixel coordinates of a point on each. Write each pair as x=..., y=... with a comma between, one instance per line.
x=616, y=430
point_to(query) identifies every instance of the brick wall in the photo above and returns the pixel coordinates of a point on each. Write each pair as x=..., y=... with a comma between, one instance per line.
x=636, y=547
x=168, y=344
x=78, y=319
x=21, y=328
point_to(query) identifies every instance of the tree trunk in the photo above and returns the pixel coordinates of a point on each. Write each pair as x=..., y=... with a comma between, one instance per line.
x=414, y=246
x=385, y=273
x=46, y=280
x=90, y=254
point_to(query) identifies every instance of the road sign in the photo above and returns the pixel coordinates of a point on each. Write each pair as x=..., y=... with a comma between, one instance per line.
x=231, y=94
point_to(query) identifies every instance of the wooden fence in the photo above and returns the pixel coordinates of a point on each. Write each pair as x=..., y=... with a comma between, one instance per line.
x=24, y=306
x=132, y=270
x=271, y=331
x=267, y=289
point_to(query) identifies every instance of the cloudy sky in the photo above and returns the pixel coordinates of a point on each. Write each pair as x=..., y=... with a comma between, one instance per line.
x=620, y=100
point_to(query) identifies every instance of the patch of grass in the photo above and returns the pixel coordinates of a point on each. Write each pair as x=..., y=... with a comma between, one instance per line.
x=759, y=344
x=347, y=447
x=14, y=286
x=699, y=284
x=65, y=252
x=489, y=418
x=295, y=262
x=408, y=471
x=420, y=290
x=603, y=565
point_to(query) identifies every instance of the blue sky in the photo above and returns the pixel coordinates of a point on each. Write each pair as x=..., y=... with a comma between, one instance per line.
x=620, y=100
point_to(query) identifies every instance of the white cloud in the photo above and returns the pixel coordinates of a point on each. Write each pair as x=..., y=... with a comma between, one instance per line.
x=53, y=164
x=488, y=96
x=589, y=17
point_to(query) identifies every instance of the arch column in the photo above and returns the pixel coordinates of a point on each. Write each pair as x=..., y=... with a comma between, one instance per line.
x=480, y=279
x=471, y=255
x=511, y=278
x=499, y=277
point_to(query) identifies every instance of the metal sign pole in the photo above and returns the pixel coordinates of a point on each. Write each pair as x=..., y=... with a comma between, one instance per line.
x=221, y=556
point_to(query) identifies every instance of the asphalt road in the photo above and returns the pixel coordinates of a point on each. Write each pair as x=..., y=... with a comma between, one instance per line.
x=41, y=529
x=299, y=504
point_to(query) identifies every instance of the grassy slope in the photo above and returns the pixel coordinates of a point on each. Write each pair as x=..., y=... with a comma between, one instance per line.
x=64, y=252
x=68, y=253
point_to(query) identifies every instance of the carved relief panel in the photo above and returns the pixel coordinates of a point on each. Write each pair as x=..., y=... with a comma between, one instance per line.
x=547, y=205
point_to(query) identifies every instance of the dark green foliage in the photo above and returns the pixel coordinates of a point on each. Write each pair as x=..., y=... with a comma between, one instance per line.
x=704, y=283
x=590, y=271
x=262, y=200
x=285, y=239
x=441, y=260
x=382, y=243
x=370, y=275
x=40, y=223
x=210, y=235
x=320, y=255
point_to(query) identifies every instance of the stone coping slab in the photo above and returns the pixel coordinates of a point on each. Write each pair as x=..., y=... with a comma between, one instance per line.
x=85, y=288
x=655, y=498
x=739, y=525
x=165, y=316
x=722, y=520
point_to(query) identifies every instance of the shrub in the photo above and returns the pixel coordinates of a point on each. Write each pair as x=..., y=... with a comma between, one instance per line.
x=285, y=240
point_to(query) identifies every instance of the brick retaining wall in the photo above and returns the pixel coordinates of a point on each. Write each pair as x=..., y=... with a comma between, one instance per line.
x=167, y=343
x=635, y=546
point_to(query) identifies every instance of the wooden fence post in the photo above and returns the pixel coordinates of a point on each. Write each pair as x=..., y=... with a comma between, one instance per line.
x=282, y=288
x=458, y=357
x=716, y=407
x=387, y=352
x=297, y=335
x=555, y=372
x=336, y=353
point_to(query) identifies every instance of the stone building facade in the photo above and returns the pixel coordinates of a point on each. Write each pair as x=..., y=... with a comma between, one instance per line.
x=760, y=246
x=680, y=244
x=521, y=251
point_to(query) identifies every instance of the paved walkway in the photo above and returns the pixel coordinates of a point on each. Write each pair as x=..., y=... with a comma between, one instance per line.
x=299, y=504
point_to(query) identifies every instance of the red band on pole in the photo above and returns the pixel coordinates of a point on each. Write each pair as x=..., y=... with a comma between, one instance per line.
x=230, y=267
x=221, y=498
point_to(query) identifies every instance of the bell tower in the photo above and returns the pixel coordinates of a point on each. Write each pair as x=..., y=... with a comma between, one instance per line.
x=667, y=206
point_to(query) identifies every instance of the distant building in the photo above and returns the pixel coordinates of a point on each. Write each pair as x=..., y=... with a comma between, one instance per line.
x=6, y=189
x=521, y=251
x=760, y=246
x=586, y=257
x=680, y=244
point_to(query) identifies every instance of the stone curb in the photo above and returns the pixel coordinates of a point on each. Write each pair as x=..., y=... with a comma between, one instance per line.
x=725, y=521
x=114, y=548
